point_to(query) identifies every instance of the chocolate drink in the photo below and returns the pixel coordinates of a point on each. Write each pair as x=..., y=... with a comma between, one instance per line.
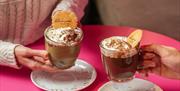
x=63, y=46
x=119, y=58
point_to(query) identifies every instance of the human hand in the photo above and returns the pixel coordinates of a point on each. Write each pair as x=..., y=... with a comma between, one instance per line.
x=161, y=60
x=34, y=59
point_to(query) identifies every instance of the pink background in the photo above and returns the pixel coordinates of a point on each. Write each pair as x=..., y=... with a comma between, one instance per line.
x=19, y=80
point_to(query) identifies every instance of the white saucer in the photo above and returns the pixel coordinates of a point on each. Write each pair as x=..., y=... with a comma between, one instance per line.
x=133, y=85
x=76, y=78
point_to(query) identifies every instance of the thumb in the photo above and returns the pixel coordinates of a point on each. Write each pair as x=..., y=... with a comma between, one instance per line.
x=160, y=50
x=155, y=48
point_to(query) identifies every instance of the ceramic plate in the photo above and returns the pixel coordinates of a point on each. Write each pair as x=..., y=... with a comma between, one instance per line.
x=133, y=85
x=76, y=78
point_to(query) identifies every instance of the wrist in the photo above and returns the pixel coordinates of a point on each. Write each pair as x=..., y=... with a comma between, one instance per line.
x=15, y=55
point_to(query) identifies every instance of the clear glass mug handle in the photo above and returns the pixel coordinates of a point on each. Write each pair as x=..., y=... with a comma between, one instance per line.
x=140, y=62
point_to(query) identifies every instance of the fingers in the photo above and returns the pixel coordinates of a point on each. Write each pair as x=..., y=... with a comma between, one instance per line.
x=41, y=60
x=151, y=61
x=149, y=64
x=40, y=53
x=35, y=65
x=148, y=56
x=151, y=58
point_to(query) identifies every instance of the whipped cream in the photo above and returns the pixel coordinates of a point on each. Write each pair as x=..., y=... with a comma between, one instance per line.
x=64, y=36
x=116, y=47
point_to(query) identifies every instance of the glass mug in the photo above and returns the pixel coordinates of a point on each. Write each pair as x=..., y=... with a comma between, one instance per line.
x=120, y=69
x=62, y=56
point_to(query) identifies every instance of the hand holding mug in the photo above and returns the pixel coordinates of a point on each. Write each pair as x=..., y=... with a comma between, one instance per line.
x=161, y=60
x=34, y=59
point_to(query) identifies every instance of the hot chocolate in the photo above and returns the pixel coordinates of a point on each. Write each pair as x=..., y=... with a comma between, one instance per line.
x=120, y=59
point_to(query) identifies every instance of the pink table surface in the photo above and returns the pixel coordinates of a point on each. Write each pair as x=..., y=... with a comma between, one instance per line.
x=19, y=80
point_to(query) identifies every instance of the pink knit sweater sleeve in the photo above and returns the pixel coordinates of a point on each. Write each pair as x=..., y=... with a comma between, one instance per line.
x=77, y=6
x=7, y=57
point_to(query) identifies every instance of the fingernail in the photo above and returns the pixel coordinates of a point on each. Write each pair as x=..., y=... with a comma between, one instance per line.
x=46, y=56
x=48, y=63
